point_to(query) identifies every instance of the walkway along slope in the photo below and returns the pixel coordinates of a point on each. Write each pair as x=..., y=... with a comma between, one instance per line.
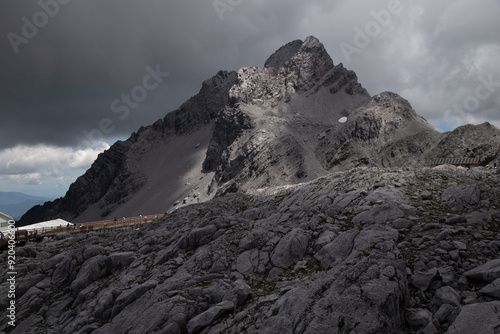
x=24, y=236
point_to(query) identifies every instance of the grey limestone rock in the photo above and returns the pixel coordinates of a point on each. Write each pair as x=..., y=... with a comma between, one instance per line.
x=252, y=261
x=447, y=295
x=444, y=311
x=209, y=316
x=492, y=289
x=290, y=249
x=418, y=318
x=337, y=250
x=271, y=260
x=423, y=279
x=198, y=237
x=284, y=54
x=477, y=318
x=487, y=272
x=128, y=296
x=63, y=271
x=379, y=214
x=91, y=270
x=426, y=195
x=324, y=239
x=401, y=224
x=92, y=251
x=242, y=291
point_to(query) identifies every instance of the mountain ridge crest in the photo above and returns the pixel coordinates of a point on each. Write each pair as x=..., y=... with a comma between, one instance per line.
x=298, y=118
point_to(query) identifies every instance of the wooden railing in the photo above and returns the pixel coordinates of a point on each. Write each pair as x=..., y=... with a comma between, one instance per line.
x=103, y=225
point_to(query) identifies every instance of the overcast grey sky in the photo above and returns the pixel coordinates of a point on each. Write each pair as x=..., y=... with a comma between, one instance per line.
x=73, y=70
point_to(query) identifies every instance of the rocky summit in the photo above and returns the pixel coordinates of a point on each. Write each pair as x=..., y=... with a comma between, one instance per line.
x=298, y=118
x=298, y=203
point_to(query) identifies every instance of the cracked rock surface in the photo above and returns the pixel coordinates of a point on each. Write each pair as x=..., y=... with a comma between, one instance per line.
x=366, y=250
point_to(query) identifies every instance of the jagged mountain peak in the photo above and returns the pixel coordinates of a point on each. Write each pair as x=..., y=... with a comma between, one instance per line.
x=313, y=42
x=297, y=68
x=312, y=61
x=392, y=105
x=311, y=45
x=298, y=118
x=283, y=54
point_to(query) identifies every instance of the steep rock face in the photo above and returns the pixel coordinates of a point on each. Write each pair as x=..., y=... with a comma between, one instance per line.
x=88, y=188
x=385, y=120
x=299, y=89
x=119, y=173
x=298, y=118
x=229, y=125
x=201, y=108
x=284, y=54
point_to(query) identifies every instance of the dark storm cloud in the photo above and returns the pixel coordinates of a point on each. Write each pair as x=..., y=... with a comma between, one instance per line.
x=62, y=82
x=64, y=79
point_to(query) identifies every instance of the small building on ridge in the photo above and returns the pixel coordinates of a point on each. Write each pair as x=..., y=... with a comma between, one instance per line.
x=459, y=162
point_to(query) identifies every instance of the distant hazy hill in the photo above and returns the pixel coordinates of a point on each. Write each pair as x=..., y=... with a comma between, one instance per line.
x=16, y=204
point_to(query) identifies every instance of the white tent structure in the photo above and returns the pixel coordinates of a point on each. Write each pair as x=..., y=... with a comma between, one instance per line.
x=43, y=226
x=4, y=221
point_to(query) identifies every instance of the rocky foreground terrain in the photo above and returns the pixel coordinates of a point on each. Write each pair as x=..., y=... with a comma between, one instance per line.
x=367, y=250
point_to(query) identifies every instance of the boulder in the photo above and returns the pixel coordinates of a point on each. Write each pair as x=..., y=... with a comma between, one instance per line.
x=242, y=291
x=488, y=272
x=379, y=214
x=444, y=312
x=426, y=195
x=290, y=249
x=402, y=224
x=418, y=317
x=337, y=250
x=492, y=289
x=324, y=239
x=447, y=295
x=423, y=279
x=93, y=250
x=129, y=296
x=477, y=318
x=198, y=237
x=63, y=271
x=208, y=317
x=93, y=269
